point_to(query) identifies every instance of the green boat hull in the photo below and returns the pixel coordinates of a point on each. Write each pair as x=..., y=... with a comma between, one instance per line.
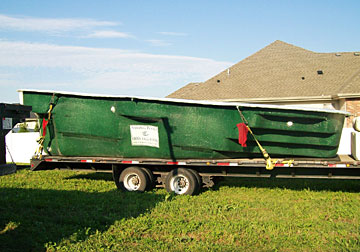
x=134, y=127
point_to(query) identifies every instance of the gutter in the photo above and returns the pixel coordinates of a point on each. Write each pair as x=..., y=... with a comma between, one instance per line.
x=293, y=99
x=347, y=95
x=280, y=99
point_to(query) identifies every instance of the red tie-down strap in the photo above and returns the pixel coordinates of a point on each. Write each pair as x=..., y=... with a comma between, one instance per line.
x=243, y=131
x=44, y=124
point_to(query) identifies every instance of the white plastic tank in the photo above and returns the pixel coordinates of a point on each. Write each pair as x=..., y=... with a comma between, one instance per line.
x=356, y=123
x=355, y=139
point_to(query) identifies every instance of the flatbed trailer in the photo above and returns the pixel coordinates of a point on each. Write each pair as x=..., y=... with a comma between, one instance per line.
x=189, y=175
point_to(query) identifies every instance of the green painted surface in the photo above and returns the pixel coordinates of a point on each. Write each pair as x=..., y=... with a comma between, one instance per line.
x=100, y=126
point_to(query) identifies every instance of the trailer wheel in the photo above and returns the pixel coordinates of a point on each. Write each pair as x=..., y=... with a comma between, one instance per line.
x=182, y=181
x=198, y=177
x=151, y=178
x=133, y=179
x=116, y=171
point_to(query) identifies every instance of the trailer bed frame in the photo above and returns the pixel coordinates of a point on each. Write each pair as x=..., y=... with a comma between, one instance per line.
x=341, y=167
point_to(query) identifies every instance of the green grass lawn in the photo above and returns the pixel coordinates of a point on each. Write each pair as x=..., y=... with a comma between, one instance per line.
x=79, y=211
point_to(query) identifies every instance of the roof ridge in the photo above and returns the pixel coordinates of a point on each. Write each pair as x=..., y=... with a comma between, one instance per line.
x=274, y=44
x=280, y=42
x=280, y=70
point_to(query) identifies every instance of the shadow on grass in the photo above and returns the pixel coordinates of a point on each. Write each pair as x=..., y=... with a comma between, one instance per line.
x=30, y=218
x=333, y=185
x=94, y=176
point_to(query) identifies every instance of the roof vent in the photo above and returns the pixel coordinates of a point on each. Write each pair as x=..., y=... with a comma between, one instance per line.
x=320, y=72
x=356, y=54
x=337, y=54
x=218, y=81
x=303, y=78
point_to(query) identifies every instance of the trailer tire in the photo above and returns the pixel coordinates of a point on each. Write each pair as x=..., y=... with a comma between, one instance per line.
x=182, y=181
x=198, y=178
x=151, y=178
x=116, y=171
x=133, y=179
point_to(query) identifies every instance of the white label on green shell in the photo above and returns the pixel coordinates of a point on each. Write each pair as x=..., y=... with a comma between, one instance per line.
x=144, y=135
x=7, y=123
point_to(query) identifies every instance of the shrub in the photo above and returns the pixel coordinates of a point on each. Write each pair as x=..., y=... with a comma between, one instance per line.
x=23, y=128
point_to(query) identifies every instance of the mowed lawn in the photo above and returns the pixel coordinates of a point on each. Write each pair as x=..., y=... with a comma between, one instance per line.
x=79, y=211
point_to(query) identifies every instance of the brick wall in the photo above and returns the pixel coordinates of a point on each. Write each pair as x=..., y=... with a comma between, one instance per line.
x=352, y=106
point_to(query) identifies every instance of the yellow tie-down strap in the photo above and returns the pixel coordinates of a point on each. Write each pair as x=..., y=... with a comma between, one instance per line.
x=39, y=151
x=271, y=163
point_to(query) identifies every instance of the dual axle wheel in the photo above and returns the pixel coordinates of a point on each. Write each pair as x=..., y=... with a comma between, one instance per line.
x=134, y=179
x=179, y=180
x=183, y=181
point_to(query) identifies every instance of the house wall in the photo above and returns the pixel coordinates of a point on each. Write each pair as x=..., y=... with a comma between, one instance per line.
x=352, y=106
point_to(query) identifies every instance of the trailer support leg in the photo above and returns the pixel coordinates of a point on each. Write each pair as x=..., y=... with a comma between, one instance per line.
x=207, y=180
x=4, y=168
x=2, y=148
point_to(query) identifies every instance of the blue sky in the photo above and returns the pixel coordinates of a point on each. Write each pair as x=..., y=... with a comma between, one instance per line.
x=152, y=48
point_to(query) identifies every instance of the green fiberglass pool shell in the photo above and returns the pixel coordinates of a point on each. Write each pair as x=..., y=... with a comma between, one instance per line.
x=124, y=126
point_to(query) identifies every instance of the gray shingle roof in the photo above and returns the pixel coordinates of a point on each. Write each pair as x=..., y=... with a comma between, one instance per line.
x=281, y=70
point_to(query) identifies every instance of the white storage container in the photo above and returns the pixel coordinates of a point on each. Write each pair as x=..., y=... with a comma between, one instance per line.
x=356, y=123
x=355, y=145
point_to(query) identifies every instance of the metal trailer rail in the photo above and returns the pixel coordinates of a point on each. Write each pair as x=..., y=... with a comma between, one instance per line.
x=189, y=175
x=342, y=167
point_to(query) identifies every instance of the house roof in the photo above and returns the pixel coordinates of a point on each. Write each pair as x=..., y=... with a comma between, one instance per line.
x=279, y=71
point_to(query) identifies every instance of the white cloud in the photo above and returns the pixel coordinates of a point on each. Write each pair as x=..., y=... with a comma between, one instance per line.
x=173, y=34
x=157, y=42
x=108, y=34
x=100, y=69
x=50, y=24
